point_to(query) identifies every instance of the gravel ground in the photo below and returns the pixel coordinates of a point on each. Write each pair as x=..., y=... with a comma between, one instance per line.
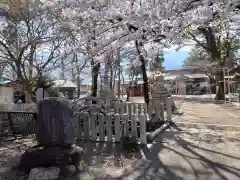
x=9, y=153
x=100, y=160
x=190, y=154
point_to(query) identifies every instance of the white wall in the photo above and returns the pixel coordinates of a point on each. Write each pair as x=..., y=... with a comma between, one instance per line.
x=6, y=94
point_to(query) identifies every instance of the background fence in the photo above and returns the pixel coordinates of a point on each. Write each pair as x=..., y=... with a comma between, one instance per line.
x=31, y=107
x=16, y=123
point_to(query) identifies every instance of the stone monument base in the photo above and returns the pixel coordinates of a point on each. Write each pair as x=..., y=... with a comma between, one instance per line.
x=51, y=156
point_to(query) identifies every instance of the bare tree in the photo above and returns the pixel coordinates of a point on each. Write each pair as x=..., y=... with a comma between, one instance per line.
x=31, y=44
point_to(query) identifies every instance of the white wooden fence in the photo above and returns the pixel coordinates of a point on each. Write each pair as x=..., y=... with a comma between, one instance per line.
x=97, y=127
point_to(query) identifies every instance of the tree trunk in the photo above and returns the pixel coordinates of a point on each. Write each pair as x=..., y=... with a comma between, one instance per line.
x=78, y=86
x=111, y=77
x=145, y=84
x=220, y=94
x=30, y=68
x=129, y=88
x=95, y=72
x=129, y=91
x=18, y=69
x=144, y=74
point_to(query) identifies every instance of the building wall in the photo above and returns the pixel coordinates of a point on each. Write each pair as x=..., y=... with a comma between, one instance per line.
x=6, y=94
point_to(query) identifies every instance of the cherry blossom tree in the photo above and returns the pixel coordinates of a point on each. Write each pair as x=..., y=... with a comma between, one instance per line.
x=214, y=30
x=105, y=25
x=31, y=42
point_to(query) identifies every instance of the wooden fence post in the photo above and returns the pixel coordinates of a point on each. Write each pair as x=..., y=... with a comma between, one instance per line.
x=78, y=127
x=161, y=110
x=101, y=127
x=86, y=120
x=143, y=138
x=125, y=108
x=125, y=119
x=130, y=109
x=169, y=109
x=109, y=127
x=134, y=125
x=117, y=127
x=108, y=104
x=94, y=126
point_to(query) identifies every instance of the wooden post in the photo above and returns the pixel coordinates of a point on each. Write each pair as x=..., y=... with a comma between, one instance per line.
x=143, y=138
x=117, y=127
x=134, y=125
x=101, y=127
x=94, y=126
x=161, y=111
x=77, y=126
x=134, y=108
x=130, y=108
x=109, y=127
x=108, y=104
x=86, y=119
x=125, y=119
x=169, y=109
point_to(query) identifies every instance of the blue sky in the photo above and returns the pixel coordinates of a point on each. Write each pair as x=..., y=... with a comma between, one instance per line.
x=174, y=60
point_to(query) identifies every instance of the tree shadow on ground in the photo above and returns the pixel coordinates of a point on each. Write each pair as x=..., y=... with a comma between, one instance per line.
x=182, y=159
x=203, y=101
x=194, y=161
x=172, y=157
x=102, y=160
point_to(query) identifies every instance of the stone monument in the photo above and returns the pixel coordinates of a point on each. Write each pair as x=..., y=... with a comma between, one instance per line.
x=105, y=91
x=54, y=133
x=158, y=101
x=160, y=93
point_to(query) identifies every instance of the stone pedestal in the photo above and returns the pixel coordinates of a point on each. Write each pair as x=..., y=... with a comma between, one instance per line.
x=52, y=156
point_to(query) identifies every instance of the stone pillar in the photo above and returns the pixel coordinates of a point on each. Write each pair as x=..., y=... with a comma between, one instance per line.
x=106, y=92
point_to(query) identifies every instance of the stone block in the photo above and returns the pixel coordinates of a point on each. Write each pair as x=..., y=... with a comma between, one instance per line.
x=51, y=173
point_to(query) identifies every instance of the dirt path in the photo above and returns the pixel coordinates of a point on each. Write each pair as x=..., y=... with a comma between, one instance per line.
x=204, y=112
x=210, y=113
x=192, y=154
